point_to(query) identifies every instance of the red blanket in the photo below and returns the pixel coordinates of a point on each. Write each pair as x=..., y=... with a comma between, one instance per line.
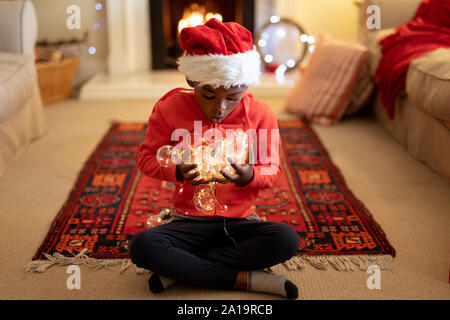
x=427, y=31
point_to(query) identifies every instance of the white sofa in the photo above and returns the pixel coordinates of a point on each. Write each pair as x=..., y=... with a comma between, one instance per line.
x=21, y=112
x=422, y=112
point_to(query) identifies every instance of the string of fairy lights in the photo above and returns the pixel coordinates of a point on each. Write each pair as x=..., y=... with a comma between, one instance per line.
x=281, y=33
x=96, y=25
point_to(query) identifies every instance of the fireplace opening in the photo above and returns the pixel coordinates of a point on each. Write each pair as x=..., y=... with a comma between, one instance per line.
x=167, y=17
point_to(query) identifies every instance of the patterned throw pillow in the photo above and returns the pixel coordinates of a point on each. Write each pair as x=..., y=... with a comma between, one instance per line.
x=362, y=90
x=323, y=92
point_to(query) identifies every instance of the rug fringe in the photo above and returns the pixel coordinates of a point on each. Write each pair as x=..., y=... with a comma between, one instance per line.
x=81, y=258
x=340, y=263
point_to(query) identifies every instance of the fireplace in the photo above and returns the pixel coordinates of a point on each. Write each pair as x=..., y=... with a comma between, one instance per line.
x=165, y=16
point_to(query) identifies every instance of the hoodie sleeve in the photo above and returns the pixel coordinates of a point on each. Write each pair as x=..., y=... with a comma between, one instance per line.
x=158, y=134
x=268, y=168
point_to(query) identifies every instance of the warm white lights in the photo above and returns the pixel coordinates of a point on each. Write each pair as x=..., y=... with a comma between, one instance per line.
x=268, y=58
x=283, y=46
x=281, y=70
x=279, y=73
x=306, y=38
x=290, y=63
x=275, y=19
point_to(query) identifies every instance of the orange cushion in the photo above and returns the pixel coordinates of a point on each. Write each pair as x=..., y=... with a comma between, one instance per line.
x=323, y=92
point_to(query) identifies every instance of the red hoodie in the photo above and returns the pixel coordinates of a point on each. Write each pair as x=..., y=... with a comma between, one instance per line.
x=179, y=109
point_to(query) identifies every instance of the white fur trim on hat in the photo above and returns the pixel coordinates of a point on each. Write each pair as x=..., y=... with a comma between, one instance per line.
x=222, y=70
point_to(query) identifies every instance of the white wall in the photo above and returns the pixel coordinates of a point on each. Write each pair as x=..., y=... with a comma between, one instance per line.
x=337, y=18
x=52, y=16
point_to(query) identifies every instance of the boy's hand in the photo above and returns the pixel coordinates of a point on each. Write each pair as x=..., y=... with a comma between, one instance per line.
x=243, y=175
x=189, y=173
x=187, y=170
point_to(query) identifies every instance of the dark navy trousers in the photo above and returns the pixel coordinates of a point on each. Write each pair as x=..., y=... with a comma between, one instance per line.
x=211, y=253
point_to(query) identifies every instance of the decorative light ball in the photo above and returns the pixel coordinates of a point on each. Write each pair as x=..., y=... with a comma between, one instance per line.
x=164, y=156
x=204, y=200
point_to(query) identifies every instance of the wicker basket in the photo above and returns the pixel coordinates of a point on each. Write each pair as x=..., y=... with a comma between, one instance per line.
x=56, y=79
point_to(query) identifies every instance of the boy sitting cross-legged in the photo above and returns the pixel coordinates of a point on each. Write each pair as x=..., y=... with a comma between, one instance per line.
x=225, y=249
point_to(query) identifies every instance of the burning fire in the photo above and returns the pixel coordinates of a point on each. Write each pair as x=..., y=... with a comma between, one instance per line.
x=196, y=15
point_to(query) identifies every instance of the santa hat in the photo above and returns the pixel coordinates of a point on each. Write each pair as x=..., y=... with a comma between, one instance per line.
x=219, y=54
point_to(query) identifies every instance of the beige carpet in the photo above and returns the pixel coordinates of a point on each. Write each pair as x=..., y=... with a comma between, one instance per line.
x=408, y=200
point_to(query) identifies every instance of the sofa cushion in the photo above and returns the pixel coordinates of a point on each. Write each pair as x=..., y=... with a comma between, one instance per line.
x=372, y=42
x=323, y=93
x=17, y=82
x=423, y=136
x=362, y=90
x=428, y=83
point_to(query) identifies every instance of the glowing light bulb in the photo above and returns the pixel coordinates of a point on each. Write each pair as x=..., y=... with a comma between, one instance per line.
x=281, y=70
x=164, y=156
x=275, y=19
x=290, y=63
x=268, y=58
x=279, y=73
x=153, y=221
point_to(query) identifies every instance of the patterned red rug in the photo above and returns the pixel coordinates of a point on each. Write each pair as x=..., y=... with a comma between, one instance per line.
x=112, y=200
